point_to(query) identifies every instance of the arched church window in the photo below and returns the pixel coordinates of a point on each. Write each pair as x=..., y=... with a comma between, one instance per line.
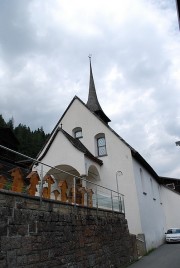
x=77, y=132
x=101, y=144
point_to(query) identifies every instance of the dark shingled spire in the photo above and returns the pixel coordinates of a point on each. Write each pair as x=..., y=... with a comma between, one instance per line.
x=93, y=103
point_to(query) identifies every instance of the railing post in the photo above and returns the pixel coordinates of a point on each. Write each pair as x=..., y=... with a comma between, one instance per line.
x=120, y=202
x=41, y=185
x=96, y=199
x=112, y=201
x=74, y=191
x=123, y=206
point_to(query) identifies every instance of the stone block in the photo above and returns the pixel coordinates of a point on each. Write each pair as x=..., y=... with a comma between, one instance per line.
x=32, y=227
x=22, y=230
x=44, y=255
x=33, y=258
x=21, y=260
x=54, y=216
x=9, y=243
x=91, y=260
x=11, y=258
x=3, y=264
x=3, y=228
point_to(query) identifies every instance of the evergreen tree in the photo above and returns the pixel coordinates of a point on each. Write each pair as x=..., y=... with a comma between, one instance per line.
x=10, y=123
x=2, y=121
x=31, y=142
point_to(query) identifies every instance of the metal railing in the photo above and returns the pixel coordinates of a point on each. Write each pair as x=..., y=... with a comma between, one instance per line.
x=75, y=189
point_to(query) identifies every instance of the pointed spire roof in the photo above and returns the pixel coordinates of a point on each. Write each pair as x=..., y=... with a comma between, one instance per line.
x=93, y=103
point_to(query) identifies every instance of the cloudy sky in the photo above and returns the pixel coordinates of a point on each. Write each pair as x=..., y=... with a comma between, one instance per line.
x=135, y=47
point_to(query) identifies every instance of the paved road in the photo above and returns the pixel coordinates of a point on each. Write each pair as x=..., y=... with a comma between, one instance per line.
x=166, y=256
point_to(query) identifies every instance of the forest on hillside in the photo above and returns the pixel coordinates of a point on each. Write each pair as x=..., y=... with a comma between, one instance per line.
x=30, y=142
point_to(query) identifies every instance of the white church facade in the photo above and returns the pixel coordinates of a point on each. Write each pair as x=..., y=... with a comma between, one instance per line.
x=82, y=143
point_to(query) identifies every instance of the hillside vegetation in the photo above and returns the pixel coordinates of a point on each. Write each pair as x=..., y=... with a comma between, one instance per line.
x=30, y=141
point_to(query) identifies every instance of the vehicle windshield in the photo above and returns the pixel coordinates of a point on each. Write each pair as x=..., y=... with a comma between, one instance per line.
x=173, y=231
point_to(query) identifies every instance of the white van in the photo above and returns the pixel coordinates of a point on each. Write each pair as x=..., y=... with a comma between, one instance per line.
x=173, y=235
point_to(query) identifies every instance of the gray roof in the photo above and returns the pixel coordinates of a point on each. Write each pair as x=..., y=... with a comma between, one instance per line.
x=76, y=143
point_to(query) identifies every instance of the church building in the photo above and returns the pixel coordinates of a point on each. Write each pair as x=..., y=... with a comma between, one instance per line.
x=84, y=145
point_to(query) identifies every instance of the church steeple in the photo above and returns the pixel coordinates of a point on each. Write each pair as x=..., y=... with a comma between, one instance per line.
x=93, y=103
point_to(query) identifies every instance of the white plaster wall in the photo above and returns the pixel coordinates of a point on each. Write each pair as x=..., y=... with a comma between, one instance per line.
x=63, y=152
x=171, y=205
x=118, y=158
x=151, y=208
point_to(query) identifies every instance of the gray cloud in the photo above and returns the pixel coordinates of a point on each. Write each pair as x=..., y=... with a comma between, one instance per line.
x=16, y=32
x=136, y=64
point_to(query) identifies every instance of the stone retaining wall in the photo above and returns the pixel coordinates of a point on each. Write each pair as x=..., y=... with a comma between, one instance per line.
x=55, y=234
